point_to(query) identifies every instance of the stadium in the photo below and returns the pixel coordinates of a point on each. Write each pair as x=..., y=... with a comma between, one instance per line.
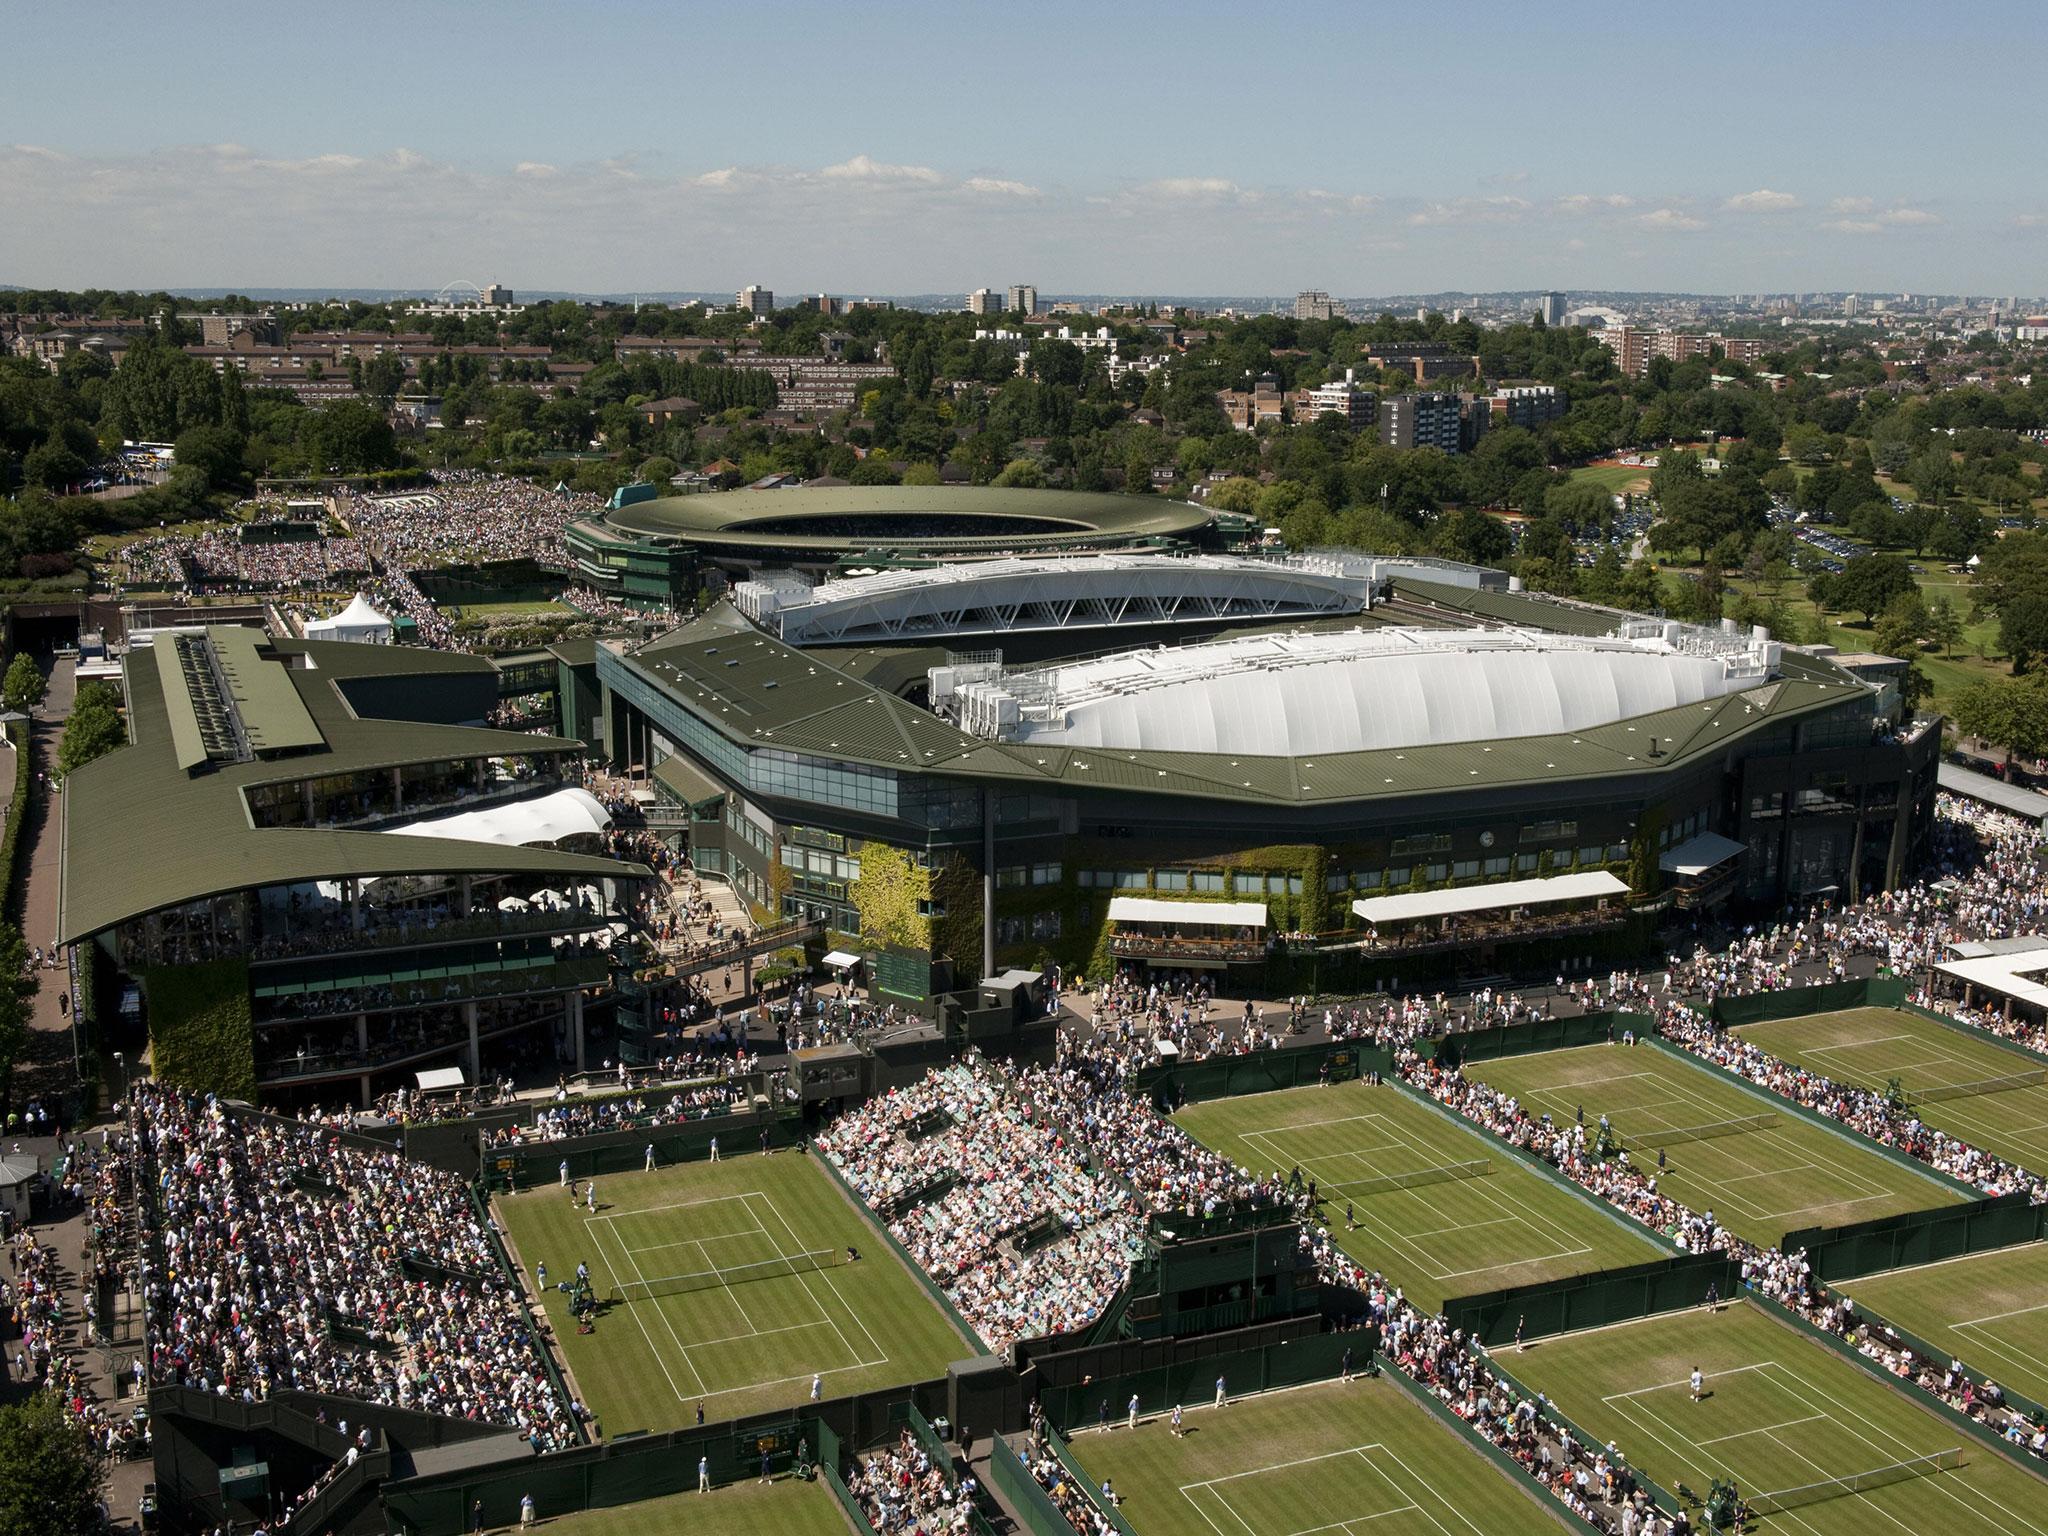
x=1326, y=769
x=659, y=551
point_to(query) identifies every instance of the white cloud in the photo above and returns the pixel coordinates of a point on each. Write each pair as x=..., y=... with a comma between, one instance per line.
x=865, y=168
x=534, y=168
x=1504, y=209
x=1903, y=215
x=1854, y=226
x=1762, y=200
x=1188, y=187
x=995, y=186
x=1852, y=205
x=1592, y=202
x=1669, y=219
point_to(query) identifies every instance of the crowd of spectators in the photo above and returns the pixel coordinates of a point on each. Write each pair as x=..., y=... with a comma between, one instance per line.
x=998, y=1206
x=468, y=516
x=281, y=1255
x=903, y=1492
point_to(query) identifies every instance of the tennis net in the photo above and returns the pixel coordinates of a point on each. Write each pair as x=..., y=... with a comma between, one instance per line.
x=1861, y=1482
x=1707, y=1132
x=1479, y=1168
x=1939, y=1091
x=736, y=1274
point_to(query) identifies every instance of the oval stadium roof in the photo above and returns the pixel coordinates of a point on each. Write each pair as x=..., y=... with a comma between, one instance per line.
x=842, y=518
x=1359, y=690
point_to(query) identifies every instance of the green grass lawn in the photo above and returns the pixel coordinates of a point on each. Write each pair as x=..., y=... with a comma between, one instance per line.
x=1989, y=1310
x=712, y=1311
x=1781, y=1411
x=1615, y=479
x=1460, y=1237
x=1357, y=1458
x=1870, y=1047
x=786, y=1507
x=545, y=609
x=1759, y=1183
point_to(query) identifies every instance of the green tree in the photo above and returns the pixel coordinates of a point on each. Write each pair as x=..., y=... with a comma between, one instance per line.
x=1867, y=584
x=94, y=728
x=1944, y=625
x=1639, y=590
x=24, y=687
x=49, y=1475
x=1023, y=473
x=2023, y=630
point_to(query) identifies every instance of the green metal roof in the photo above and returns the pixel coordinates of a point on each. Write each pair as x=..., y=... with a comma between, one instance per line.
x=140, y=833
x=1527, y=609
x=271, y=711
x=1066, y=517
x=763, y=693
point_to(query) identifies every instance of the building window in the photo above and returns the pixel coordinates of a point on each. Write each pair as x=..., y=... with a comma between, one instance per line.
x=1293, y=884
x=931, y=909
x=1045, y=925
x=1045, y=874
x=1171, y=880
x=1465, y=869
x=1333, y=882
x=1210, y=880
x=1011, y=879
x=1009, y=930
x=1589, y=855
x=1369, y=879
x=1438, y=873
x=1617, y=853
x=1496, y=866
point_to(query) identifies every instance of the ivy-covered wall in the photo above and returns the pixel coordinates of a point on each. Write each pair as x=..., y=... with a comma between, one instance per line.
x=887, y=896
x=199, y=1032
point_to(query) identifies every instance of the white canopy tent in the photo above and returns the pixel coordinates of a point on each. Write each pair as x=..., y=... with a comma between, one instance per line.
x=358, y=622
x=2019, y=973
x=440, y=1079
x=543, y=821
x=840, y=960
x=1697, y=855
x=1194, y=914
x=1497, y=897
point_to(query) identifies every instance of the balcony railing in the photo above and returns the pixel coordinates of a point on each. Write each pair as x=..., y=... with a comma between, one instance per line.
x=289, y=1005
x=1455, y=934
x=441, y=930
x=1158, y=946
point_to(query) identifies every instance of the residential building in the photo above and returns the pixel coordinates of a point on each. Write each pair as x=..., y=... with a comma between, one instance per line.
x=1314, y=304
x=1342, y=397
x=1526, y=405
x=756, y=300
x=217, y=330
x=1023, y=298
x=674, y=410
x=1430, y=419
x=1427, y=360
x=1634, y=347
x=1248, y=408
x=984, y=301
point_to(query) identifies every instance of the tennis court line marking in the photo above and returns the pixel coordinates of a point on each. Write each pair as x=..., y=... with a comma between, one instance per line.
x=1762, y=1429
x=598, y=1238
x=881, y=1354
x=1684, y=1381
x=1996, y=1316
x=1371, y=1464
x=1282, y=1466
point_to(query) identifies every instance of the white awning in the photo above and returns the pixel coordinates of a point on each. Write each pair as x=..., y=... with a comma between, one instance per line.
x=1189, y=914
x=1697, y=855
x=1489, y=898
x=438, y=1078
x=2020, y=974
x=543, y=820
x=840, y=960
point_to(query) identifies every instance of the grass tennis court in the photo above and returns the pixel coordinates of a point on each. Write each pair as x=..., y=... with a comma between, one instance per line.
x=1781, y=1412
x=1496, y=1223
x=1356, y=1458
x=725, y=1284
x=1989, y=1310
x=786, y=1507
x=1780, y=1173
x=1871, y=1046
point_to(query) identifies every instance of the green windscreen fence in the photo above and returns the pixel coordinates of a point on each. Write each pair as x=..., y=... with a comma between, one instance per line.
x=1793, y=1002
x=1228, y=1077
x=1594, y=1300
x=1538, y=1035
x=1919, y=1237
x=537, y=1163
x=1184, y=1375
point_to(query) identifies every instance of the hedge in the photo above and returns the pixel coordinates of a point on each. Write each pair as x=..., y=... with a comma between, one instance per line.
x=200, y=1035
x=11, y=843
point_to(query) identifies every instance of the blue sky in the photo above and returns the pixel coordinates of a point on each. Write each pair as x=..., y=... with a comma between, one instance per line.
x=1143, y=148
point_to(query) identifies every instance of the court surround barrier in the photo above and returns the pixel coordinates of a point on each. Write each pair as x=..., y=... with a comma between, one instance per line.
x=1496, y=1041
x=636, y=1467
x=1072, y=1384
x=1595, y=1300
x=1794, y=1002
x=1291, y=1066
x=1549, y=1409
x=532, y=1164
x=1918, y=1237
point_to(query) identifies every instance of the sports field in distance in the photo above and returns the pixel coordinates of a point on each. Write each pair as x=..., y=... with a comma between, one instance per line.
x=1479, y=1221
x=1775, y=1174
x=1357, y=1458
x=1989, y=1310
x=1968, y=1080
x=1780, y=1412
x=725, y=1284
x=785, y=1507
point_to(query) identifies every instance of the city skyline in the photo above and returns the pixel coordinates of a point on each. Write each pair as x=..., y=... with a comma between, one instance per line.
x=810, y=148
